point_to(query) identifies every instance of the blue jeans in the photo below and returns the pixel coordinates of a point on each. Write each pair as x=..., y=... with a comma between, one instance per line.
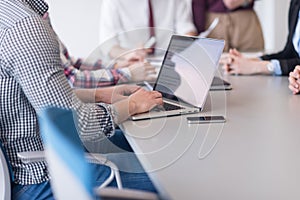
x=139, y=181
x=29, y=192
x=115, y=144
x=120, y=141
x=43, y=191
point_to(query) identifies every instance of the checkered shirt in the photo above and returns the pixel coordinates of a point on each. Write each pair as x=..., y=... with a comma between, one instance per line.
x=32, y=78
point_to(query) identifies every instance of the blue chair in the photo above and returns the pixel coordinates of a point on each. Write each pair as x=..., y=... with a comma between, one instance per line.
x=68, y=164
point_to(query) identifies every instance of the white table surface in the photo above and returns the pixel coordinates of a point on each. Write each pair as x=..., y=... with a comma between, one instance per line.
x=254, y=155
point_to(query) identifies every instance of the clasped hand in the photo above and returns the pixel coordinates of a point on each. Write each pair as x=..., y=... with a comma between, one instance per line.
x=294, y=80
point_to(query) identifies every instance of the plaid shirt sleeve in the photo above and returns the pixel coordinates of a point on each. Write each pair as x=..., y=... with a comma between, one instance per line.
x=96, y=78
x=85, y=75
x=77, y=63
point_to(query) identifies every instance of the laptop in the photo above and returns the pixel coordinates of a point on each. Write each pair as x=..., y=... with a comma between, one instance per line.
x=185, y=76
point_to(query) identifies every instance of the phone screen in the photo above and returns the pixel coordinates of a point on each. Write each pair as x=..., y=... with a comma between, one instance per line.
x=210, y=118
x=206, y=119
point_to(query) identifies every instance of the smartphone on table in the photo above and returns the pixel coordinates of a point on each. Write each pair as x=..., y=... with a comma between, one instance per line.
x=205, y=119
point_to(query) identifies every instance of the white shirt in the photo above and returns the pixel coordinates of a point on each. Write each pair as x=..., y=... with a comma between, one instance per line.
x=125, y=22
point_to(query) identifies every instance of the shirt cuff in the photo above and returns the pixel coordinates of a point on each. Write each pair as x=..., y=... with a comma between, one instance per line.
x=110, y=128
x=114, y=114
x=277, y=67
x=125, y=72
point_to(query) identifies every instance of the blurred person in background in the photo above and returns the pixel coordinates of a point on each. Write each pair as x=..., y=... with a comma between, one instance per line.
x=128, y=25
x=238, y=23
x=281, y=63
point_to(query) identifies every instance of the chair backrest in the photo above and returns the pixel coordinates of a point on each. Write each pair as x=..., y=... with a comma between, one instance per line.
x=6, y=175
x=65, y=156
x=71, y=175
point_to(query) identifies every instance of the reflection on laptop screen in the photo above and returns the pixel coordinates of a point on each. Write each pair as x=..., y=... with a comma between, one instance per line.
x=188, y=68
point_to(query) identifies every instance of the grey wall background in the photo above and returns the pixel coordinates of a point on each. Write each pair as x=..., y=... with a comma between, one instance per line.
x=76, y=22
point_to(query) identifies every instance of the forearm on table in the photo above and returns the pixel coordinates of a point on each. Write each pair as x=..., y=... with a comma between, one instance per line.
x=87, y=95
x=122, y=110
x=261, y=67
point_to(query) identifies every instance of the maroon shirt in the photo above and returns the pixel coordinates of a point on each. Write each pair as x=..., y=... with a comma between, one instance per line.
x=201, y=7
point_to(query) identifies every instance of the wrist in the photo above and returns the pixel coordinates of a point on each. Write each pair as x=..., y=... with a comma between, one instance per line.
x=267, y=67
x=98, y=96
x=126, y=72
x=132, y=106
x=121, y=111
x=103, y=95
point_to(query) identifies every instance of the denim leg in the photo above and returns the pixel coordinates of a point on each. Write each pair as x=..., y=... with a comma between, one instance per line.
x=40, y=191
x=132, y=173
x=115, y=144
x=100, y=172
x=119, y=140
x=139, y=181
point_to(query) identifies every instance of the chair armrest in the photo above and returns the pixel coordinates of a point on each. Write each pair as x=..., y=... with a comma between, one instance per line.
x=114, y=193
x=32, y=156
x=96, y=158
x=38, y=156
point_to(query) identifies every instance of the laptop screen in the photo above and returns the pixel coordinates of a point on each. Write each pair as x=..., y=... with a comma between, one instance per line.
x=188, y=69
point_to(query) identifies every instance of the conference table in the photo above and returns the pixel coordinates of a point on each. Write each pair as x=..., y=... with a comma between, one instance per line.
x=255, y=154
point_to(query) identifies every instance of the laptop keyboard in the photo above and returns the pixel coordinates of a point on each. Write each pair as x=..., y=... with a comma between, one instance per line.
x=167, y=107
